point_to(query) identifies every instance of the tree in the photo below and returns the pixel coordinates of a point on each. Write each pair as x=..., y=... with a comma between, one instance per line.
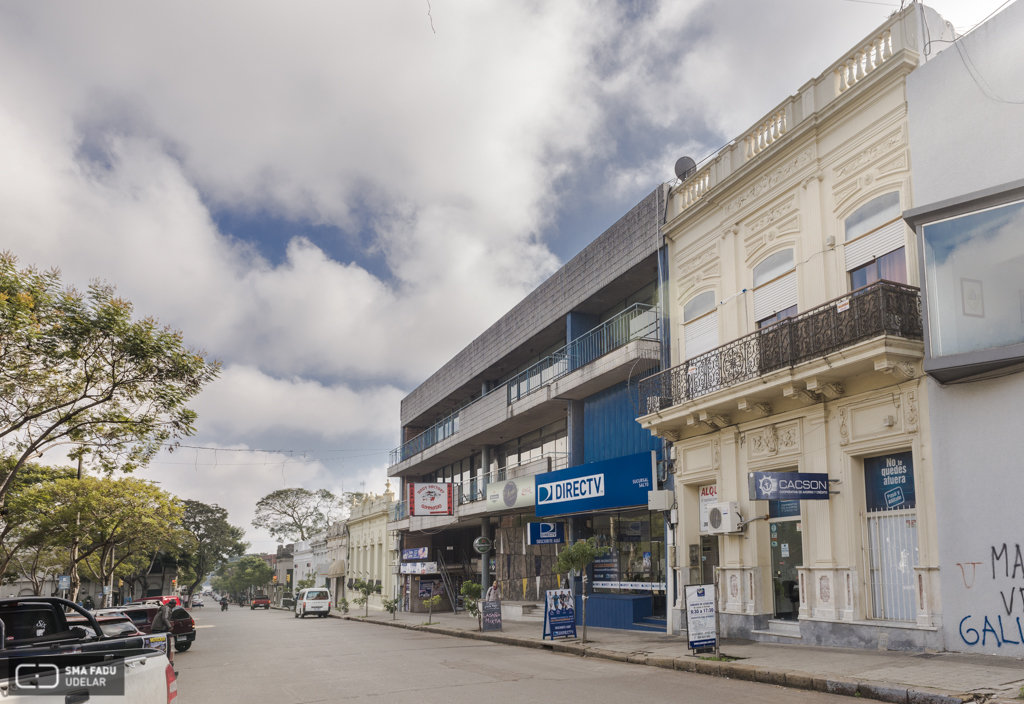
x=576, y=558
x=472, y=592
x=365, y=589
x=76, y=369
x=114, y=521
x=430, y=603
x=237, y=578
x=41, y=562
x=22, y=508
x=391, y=605
x=297, y=514
x=210, y=541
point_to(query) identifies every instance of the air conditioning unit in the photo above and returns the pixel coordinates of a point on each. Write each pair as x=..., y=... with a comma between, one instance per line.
x=724, y=517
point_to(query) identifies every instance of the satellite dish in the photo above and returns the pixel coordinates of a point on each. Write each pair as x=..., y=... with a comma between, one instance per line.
x=685, y=167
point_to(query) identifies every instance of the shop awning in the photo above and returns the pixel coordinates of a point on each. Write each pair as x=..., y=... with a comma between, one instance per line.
x=337, y=569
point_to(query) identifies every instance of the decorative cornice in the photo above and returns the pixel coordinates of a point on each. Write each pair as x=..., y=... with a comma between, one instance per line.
x=771, y=180
x=864, y=157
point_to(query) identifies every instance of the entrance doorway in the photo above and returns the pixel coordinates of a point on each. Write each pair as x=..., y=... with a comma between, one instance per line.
x=787, y=555
x=708, y=558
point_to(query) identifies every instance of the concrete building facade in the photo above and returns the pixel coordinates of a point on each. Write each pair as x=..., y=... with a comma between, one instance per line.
x=793, y=287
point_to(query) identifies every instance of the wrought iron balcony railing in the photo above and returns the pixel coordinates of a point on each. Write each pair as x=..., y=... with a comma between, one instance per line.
x=883, y=308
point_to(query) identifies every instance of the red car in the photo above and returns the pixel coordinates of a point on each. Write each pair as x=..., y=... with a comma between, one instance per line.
x=183, y=626
x=261, y=601
x=172, y=600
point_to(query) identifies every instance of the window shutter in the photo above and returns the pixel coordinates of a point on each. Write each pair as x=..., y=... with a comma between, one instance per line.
x=882, y=241
x=701, y=335
x=778, y=295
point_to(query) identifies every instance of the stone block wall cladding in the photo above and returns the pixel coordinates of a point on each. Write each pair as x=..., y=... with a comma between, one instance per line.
x=636, y=236
x=513, y=566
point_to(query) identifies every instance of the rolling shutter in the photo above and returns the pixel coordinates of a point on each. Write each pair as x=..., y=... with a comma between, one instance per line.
x=701, y=335
x=882, y=241
x=775, y=296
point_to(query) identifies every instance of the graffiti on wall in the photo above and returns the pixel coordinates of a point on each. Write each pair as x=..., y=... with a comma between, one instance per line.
x=1000, y=623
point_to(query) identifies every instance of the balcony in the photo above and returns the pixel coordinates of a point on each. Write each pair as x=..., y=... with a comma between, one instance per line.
x=631, y=335
x=875, y=329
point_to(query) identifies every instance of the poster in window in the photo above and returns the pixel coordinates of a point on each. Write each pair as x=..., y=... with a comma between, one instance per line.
x=889, y=482
x=972, y=298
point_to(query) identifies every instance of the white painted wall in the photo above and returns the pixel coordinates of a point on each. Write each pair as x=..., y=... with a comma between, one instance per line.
x=964, y=138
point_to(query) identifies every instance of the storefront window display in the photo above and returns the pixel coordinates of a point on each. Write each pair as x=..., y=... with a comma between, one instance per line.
x=635, y=563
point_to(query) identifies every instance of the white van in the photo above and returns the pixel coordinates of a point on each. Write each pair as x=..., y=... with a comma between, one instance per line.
x=313, y=601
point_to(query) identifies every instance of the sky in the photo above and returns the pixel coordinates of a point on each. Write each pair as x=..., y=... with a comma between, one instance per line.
x=334, y=198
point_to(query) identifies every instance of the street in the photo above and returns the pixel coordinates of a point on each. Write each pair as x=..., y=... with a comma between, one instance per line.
x=269, y=656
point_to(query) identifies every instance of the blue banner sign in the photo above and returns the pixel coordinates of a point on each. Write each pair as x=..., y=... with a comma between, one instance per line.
x=546, y=533
x=415, y=553
x=889, y=482
x=788, y=486
x=617, y=483
x=559, y=614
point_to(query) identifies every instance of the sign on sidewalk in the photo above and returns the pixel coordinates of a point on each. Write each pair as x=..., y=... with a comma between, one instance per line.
x=700, y=617
x=491, y=615
x=64, y=581
x=559, y=614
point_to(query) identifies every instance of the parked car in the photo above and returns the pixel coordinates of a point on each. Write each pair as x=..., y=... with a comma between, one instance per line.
x=183, y=626
x=313, y=601
x=166, y=599
x=197, y=601
x=261, y=601
x=112, y=623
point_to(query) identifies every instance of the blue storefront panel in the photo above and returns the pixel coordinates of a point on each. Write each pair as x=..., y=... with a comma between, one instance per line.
x=609, y=426
x=617, y=483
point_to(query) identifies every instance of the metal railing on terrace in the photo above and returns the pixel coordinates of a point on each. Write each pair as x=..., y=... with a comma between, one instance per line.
x=883, y=308
x=639, y=321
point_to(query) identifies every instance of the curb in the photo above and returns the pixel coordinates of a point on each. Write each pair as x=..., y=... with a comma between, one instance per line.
x=793, y=679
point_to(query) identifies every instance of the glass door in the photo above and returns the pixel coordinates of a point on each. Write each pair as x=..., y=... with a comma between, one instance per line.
x=787, y=555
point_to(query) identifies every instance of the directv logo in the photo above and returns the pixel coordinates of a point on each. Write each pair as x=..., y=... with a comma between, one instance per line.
x=571, y=490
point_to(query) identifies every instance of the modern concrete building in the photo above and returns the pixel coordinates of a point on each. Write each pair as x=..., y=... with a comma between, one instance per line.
x=966, y=114
x=796, y=403
x=547, y=389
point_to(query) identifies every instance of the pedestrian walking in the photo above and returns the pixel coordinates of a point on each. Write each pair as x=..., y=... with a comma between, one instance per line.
x=162, y=620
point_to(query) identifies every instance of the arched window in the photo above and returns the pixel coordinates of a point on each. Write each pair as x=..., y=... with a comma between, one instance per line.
x=875, y=242
x=700, y=324
x=775, y=293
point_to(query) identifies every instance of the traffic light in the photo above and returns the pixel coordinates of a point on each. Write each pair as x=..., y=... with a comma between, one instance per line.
x=120, y=583
x=275, y=579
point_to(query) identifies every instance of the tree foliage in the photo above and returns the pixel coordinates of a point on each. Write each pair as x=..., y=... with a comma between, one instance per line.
x=209, y=541
x=237, y=578
x=76, y=369
x=117, y=522
x=297, y=514
x=22, y=509
x=578, y=556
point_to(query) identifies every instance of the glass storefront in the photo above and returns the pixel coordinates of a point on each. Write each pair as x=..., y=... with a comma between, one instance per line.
x=635, y=563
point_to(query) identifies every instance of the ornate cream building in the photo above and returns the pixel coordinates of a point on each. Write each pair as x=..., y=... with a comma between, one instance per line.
x=797, y=346
x=371, y=554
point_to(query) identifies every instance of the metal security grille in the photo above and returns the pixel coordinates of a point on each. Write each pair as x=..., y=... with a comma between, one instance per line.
x=892, y=556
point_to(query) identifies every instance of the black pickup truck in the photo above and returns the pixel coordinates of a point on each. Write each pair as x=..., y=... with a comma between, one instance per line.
x=45, y=659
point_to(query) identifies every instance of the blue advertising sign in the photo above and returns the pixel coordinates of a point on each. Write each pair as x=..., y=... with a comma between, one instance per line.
x=788, y=486
x=889, y=482
x=415, y=554
x=559, y=614
x=546, y=533
x=623, y=481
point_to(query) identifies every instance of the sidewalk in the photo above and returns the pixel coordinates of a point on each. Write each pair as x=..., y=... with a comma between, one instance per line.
x=891, y=676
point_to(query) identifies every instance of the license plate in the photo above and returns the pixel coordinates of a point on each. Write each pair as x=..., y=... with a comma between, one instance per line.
x=181, y=638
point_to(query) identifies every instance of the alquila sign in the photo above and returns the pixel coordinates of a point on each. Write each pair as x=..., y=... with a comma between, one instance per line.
x=788, y=486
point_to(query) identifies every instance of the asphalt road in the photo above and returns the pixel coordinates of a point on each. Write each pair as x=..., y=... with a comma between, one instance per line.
x=268, y=656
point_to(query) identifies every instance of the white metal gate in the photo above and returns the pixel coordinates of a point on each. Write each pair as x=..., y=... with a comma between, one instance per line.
x=892, y=556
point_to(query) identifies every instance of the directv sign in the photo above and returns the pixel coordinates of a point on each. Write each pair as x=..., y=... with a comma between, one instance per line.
x=617, y=483
x=546, y=533
x=788, y=486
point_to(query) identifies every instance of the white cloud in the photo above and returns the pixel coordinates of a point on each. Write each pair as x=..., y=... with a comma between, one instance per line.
x=124, y=123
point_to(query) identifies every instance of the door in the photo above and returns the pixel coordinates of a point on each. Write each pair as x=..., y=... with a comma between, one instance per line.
x=787, y=555
x=708, y=558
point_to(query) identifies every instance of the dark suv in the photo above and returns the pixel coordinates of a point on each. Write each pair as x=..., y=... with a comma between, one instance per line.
x=183, y=627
